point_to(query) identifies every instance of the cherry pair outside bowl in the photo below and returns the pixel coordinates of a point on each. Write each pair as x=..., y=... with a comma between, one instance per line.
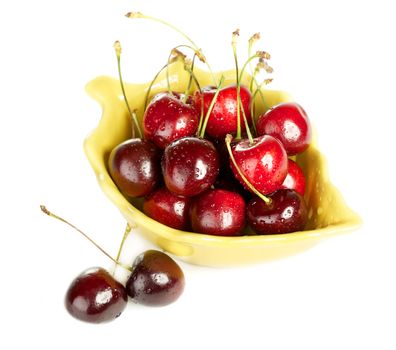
x=328, y=214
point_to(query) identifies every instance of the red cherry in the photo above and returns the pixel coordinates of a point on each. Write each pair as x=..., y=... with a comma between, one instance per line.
x=223, y=119
x=295, y=179
x=95, y=296
x=286, y=213
x=263, y=163
x=168, y=208
x=190, y=166
x=218, y=212
x=156, y=279
x=289, y=123
x=135, y=167
x=168, y=118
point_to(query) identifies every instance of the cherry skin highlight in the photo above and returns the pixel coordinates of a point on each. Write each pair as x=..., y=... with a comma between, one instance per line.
x=218, y=212
x=289, y=123
x=263, y=163
x=95, y=296
x=286, y=213
x=168, y=118
x=223, y=119
x=135, y=167
x=190, y=166
x=156, y=279
x=295, y=179
x=168, y=208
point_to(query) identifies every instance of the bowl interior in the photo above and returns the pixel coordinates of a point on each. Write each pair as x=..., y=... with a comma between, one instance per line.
x=328, y=212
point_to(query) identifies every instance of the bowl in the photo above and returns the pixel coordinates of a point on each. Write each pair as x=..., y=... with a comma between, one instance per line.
x=328, y=214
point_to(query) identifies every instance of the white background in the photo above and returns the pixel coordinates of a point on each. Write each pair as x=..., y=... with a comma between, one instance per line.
x=337, y=58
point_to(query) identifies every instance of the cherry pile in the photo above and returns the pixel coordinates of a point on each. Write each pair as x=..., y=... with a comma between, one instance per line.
x=205, y=162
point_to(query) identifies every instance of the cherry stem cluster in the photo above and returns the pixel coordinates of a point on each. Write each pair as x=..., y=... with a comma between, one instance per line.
x=46, y=211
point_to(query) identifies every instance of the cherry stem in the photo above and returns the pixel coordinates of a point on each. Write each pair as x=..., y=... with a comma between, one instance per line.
x=140, y=15
x=46, y=211
x=255, y=37
x=235, y=36
x=151, y=86
x=127, y=231
x=228, y=140
x=212, y=103
x=189, y=80
x=117, y=47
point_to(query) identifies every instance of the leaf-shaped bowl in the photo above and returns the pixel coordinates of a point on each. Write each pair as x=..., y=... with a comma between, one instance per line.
x=328, y=213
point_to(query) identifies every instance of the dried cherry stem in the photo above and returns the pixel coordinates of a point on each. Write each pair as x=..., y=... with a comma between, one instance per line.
x=176, y=54
x=234, y=41
x=141, y=15
x=135, y=123
x=46, y=211
x=228, y=140
x=127, y=231
x=253, y=39
x=212, y=103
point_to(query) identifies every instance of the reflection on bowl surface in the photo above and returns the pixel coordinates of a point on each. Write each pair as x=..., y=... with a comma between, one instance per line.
x=328, y=214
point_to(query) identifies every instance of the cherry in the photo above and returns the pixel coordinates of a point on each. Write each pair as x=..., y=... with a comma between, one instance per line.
x=285, y=213
x=168, y=118
x=168, y=208
x=134, y=167
x=190, y=166
x=223, y=119
x=95, y=296
x=263, y=163
x=218, y=212
x=295, y=179
x=289, y=123
x=156, y=279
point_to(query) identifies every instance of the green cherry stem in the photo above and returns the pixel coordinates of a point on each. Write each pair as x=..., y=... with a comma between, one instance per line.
x=127, y=231
x=212, y=103
x=151, y=85
x=234, y=41
x=190, y=79
x=228, y=140
x=46, y=211
x=117, y=47
x=141, y=15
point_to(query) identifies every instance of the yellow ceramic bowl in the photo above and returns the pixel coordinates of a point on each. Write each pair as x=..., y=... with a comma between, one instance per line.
x=328, y=213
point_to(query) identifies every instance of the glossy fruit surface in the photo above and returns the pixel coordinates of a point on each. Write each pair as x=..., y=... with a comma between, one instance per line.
x=286, y=213
x=289, y=123
x=168, y=118
x=134, y=166
x=223, y=118
x=95, y=296
x=263, y=163
x=168, y=208
x=190, y=166
x=295, y=179
x=156, y=279
x=218, y=212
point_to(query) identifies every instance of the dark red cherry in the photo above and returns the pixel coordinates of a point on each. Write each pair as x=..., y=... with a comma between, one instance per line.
x=286, y=213
x=289, y=123
x=95, y=296
x=263, y=163
x=223, y=119
x=190, y=166
x=168, y=208
x=168, y=118
x=295, y=179
x=156, y=279
x=218, y=212
x=135, y=167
